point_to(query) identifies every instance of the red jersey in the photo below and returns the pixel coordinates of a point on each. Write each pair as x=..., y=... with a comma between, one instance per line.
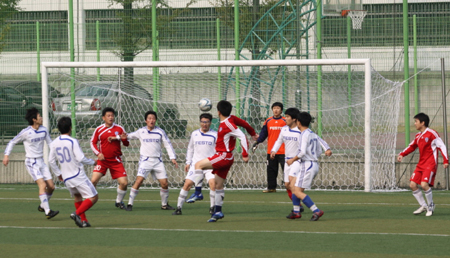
x=428, y=142
x=111, y=150
x=229, y=131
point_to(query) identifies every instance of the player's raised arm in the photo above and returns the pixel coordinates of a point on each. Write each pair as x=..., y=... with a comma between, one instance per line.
x=240, y=122
x=17, y=139
x=325, y=146
x=79, y=155
x=133, y=136
x=411, y=147
x=94, y=142
x=52, y=162
x=244, y=143
x=169, y=148
x=125, y=141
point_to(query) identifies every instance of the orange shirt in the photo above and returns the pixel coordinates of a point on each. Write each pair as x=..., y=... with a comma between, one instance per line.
x=271, y=130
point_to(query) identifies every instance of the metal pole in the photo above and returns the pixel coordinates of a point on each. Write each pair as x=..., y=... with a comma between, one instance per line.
x=367, y=127
x=219, y=70
x=416, y=87
x=236, y=56
x=319, y=68
x=97, y=32
x=406, y=68
x=444, y=113
x=72, y=70
x=38, y=52
x=154, y=57
x=349, y=70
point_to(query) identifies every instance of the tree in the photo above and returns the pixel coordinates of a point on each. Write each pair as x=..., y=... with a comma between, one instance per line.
x=135, y=35
x=7, y=10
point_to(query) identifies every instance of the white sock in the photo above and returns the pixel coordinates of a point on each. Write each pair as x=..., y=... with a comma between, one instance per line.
x=312, y=208
x=419, y=197
x=49, y=196
x=198, y=176
x=164, y=196
x=120, y=195
x=220, y=195
x=212, y=198
x=199, y=184
x=429, y=196
x=182, y=198
x=133, y=194
x=44, y=203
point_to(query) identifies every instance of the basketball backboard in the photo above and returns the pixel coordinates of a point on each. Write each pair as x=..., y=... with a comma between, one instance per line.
x=335, y=7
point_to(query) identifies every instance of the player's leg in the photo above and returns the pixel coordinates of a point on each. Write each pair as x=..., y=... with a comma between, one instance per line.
x=219, y=179
x=159, y=173
x=272, y=173
x=286, y=180
x=427, y=183
x=142, y=175
x=44, y=200
x=118, y=172
x=197, y=178
x=90, y=195
x=212, y=190
x=417, y=192
x=99, y=172
x=50, y=186
x=183, y=195
x=308, y=170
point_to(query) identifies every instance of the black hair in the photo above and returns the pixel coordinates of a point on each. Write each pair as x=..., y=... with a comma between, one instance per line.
x=151, y=112
x=277, y=104
x=224, y=107
x=292, y=112
x=304, y=118
x=108, y=109
x=31, y=114
x=422, y=117
x=64, y=124
x=207, y=116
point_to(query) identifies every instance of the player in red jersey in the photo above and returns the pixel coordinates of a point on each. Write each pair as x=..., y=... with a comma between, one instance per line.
x=109, y=154
x=428, y=142
x=221, y=162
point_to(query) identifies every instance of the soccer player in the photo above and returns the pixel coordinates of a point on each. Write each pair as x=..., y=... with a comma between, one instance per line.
x=311, y=147
x=222, y=160
x=151, y=138
x=70, y=157
x=428, y=142
x=271, y=130
x=201, y=145
x=109, y=154
x=289, y=136
x=33, y=138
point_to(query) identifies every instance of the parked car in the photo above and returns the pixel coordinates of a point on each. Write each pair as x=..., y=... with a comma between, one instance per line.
x=32, y=89
x=13, y=106
x=130, y=102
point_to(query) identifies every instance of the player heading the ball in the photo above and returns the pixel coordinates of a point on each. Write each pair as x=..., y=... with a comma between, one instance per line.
x=66, y=151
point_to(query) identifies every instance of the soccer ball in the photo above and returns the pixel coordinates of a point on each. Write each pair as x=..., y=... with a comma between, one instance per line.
x=205, y=104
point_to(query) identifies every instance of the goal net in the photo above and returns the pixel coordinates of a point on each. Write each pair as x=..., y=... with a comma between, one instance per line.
x=355, y=110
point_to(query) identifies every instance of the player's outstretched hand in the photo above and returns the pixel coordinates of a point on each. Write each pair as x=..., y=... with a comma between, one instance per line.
x=123, y=136
x=186, y=168
x=60, y=178
x=289, y=161
x=255, y=137
x=101, y=156
x=399, y=158
x=254, y=147
x=245, y=159
x=446, y=165
x=5, y=160
x=175, y=163
x=328, y=153
x=272, y=154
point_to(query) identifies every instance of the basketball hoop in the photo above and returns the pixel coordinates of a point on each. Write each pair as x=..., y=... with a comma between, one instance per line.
x=357, y=17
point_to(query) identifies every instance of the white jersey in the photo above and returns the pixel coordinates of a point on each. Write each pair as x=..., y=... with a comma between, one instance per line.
x=311, y=146
x=151, y=142
x=201, y=145
x=291, y=139
x=33, y=141
x=68, y=152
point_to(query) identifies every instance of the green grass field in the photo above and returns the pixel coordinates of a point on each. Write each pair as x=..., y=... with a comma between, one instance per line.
x=355, y=224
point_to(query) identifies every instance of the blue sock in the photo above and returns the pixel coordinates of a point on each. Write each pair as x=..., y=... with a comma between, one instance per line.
x=310, y=204
x=295, y=201
x=218, y=209
x=198, y=190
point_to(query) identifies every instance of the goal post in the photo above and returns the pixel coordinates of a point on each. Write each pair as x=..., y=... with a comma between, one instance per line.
x=364, y=79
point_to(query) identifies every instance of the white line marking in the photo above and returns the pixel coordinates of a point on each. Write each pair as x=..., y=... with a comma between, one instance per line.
x=235, y=231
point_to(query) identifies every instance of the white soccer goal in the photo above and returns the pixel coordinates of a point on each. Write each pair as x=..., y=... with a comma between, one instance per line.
x=355, y=110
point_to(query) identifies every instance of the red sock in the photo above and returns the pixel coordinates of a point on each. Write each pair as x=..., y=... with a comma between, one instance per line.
x=289, y=193
x=84, y=206
x=82, y=216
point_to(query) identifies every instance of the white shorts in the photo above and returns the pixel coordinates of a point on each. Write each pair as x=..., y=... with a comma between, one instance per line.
x=37, y=169
x=155, y=166
x=291, y=171
x=206, y=174
x=86, y=190
x=308, y=171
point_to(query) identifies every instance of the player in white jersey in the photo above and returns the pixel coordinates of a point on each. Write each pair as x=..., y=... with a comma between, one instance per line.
x=310, y=149
x=152, y=137
x=33, y=138
x=201, y=145
x=67, y=151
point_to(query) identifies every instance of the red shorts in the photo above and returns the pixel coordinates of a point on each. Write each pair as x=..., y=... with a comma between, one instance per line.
x=221, y=163
x=421, y=175
x=115, y=168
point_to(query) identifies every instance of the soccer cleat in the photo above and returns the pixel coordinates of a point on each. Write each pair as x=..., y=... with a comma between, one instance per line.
x=120, y=205
x=40, y=208
x=129, y=207
x=211, y=210
x=294, y=215
x=430, y=209
x=302, y=209
x=51, y=214
x=194, y=197
x=177, y=211
x=270, y=191
x=167, y=207
x=316, y=215
x=85, y=224
x=420, y=210
x=77, y=219
x=216, y=216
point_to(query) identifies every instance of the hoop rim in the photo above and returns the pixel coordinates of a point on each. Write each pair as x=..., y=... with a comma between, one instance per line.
x=344, y=13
